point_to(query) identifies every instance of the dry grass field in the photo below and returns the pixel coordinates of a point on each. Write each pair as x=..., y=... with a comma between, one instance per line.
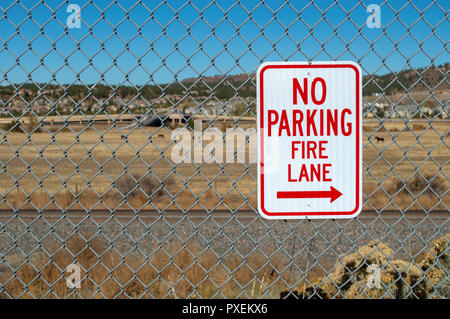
x=105, y=274
x=75, y=168
x=110, y=276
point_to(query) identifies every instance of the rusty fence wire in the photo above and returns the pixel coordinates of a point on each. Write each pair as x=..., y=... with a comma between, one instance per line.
x=128, y=158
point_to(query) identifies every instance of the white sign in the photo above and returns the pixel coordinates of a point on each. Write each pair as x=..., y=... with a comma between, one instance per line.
x=309, y=140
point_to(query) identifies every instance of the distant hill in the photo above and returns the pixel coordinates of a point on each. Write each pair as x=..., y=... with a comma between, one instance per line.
x=225, y=87
x=435, y=77
x=414, y=79
x=238, y=78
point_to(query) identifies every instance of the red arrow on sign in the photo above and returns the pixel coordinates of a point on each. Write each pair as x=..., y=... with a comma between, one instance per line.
x=333, y=194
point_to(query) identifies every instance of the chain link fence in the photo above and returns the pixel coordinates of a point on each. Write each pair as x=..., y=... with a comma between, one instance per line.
x=127, y=162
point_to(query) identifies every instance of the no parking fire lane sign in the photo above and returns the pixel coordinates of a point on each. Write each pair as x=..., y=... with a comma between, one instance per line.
x=309, y=140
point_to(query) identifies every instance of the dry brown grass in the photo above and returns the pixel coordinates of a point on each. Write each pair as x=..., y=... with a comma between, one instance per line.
x=58, y=128
x=105, y=273
x=209, y=185
x=187, y=271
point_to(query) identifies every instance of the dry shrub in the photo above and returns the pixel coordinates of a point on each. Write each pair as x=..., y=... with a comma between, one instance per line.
x=149, y=186
x=428, y=183
x=399, y=279
x=419, y=127
x=32, y=125
x=13, y=126
x=148, y=194
x=436, y=265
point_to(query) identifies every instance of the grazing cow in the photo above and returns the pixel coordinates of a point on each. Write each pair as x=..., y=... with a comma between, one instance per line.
x=379, y=139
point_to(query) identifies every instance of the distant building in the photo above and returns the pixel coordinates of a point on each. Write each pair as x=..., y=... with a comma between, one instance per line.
x=212, y=108
x=16, y=108
x=42, y=109
x=112, y=108
x=232, y=105
x=190, y=109
x=68, y=109
x=406, y=110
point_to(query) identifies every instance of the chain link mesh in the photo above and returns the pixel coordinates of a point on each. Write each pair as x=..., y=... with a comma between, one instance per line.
x=93, y=93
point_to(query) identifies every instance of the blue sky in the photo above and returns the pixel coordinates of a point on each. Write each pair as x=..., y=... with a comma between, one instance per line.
x=161, y=38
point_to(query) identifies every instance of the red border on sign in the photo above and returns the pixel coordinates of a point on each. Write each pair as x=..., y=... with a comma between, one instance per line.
x=261, y=137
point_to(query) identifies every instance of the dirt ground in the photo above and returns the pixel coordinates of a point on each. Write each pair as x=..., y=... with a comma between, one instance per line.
x=75, y=167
